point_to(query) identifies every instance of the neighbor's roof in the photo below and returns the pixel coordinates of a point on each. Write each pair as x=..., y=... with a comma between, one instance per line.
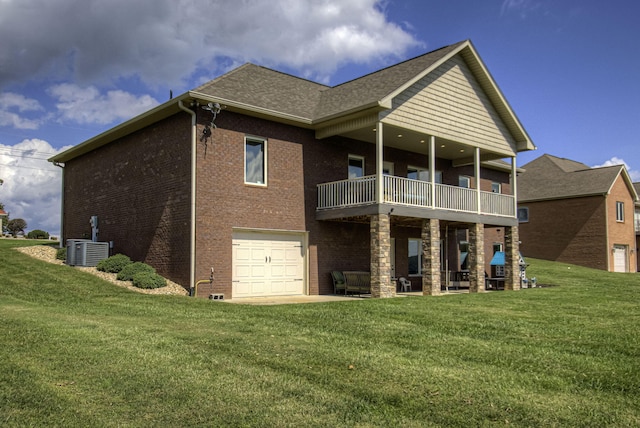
x=551, y=177
x=260, y=91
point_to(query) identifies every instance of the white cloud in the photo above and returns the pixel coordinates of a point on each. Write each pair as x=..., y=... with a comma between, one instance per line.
x=11, y=104
x=86, y=105
x=523, y=8
x=166, y=41
x=634, y=174
x=32, y=186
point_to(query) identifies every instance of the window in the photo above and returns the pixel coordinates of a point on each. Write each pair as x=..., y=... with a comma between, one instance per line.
x=496, y=187
x=463, y=247
x=499, y=270
x=356, y=166
x=464, y=181
x=523, y=214
x=422, y=174
x=415, y=256
x=255, y=161
x=497, y=246
x=620, y=211
x=387, y=168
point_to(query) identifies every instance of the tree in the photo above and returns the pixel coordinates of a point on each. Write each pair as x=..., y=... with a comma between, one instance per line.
x=16, y=225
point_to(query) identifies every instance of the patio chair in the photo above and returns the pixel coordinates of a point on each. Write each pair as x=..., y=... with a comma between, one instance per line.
x=339, y=282
x=405, y=284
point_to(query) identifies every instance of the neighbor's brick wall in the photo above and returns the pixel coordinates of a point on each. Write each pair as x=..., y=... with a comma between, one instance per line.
x=568, y=230
x=138, y=187
x=621, y=233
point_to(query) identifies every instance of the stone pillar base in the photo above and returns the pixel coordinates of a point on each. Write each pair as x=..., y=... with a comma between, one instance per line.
x=431, y=281
x=381, y=286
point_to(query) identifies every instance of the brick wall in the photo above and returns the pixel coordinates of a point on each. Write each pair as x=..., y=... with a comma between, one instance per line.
x=621, y=233
x=568, y=230
x=138, y=187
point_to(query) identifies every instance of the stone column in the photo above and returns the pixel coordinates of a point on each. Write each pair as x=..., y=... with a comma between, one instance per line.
x=431, y=257
x=511, y=258
x=476, y=258
x=381, y=257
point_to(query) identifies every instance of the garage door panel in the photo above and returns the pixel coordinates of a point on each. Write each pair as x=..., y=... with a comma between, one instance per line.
x=267, y=264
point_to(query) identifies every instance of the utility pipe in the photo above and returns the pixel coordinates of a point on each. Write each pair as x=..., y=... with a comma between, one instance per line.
x=61, y=166
x=192, y=237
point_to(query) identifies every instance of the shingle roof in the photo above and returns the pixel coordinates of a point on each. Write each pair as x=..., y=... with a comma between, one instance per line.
x=280, y=92
x=262, y=87
x=378, y=85
x=550, y=177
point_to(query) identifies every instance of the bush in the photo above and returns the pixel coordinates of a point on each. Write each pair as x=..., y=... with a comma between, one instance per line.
x=128, y=272
x=38, y=234
x=148, y=280
x=61, y=254
x=113, y=264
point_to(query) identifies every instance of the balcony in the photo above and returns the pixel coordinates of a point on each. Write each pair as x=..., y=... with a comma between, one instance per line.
x=413, y=193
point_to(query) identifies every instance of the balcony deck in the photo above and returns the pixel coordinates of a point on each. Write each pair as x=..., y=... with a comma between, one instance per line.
x=407, y=192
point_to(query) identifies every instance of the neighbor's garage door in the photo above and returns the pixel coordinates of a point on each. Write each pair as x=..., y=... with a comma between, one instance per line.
x=619, y=258
x=267, y=264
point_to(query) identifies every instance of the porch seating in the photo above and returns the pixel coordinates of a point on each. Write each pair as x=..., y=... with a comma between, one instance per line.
x=405, y=284
x=338, y=282
x=357, y=282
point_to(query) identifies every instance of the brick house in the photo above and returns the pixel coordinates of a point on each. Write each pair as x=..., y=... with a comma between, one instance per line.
x=572, y=213
x=398, y=173
x=636, y=222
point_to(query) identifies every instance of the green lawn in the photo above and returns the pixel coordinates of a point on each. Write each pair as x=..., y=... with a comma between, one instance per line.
x=78, y=351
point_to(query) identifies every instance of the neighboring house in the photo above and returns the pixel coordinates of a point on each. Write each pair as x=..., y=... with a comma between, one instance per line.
x=572, y=213
x=636, y=222
x=3, y=215
x=397, y=173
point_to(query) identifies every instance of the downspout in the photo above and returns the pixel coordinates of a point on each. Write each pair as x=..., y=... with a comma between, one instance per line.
x=192, y=234
x=61, y=166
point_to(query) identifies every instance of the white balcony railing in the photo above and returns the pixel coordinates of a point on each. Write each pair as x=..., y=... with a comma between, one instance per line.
x=405, y=191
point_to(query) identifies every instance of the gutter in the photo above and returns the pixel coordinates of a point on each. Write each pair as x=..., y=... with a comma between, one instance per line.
x=61, y=166
x=192, y=234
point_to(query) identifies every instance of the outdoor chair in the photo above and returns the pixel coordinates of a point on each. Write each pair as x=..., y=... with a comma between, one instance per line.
x=339, y=282
x=405, y=284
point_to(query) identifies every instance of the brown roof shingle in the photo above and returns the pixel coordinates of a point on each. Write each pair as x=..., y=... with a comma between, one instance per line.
x=551, y=177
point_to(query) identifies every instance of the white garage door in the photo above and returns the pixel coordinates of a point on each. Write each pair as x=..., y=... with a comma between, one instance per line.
x=619, y=258
x=267, y=264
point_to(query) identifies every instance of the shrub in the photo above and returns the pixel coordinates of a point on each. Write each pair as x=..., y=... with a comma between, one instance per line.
x=128, y=272
x=113, y=264
x=61, y=254
x=38, y=234
x=148, y=280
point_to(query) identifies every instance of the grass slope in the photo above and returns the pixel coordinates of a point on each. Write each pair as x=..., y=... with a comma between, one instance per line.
x=78, y=351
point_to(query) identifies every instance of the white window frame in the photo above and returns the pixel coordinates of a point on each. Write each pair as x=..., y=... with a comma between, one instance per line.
x=496, y=187
x=620, y=212
x=499, y=270
x=497, y=246
x=263, y=141
x=355, y=158
x=418, y=241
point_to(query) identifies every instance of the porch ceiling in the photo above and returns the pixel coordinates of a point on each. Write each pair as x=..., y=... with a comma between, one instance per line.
x=417, y=142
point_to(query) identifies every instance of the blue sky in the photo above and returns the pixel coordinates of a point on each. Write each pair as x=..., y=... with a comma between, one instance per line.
x=568, y=68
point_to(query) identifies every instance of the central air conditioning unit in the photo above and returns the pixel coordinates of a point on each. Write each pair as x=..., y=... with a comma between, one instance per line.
x=84, y=252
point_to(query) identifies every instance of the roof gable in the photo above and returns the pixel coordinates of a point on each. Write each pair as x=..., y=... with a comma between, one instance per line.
x=451, y=104
x=550, y=177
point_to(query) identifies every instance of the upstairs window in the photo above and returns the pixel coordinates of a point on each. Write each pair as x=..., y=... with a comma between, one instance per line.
x=255, y=161
x=464, y=181
x=496, y=187
x=356, y=166
x=620, y=211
